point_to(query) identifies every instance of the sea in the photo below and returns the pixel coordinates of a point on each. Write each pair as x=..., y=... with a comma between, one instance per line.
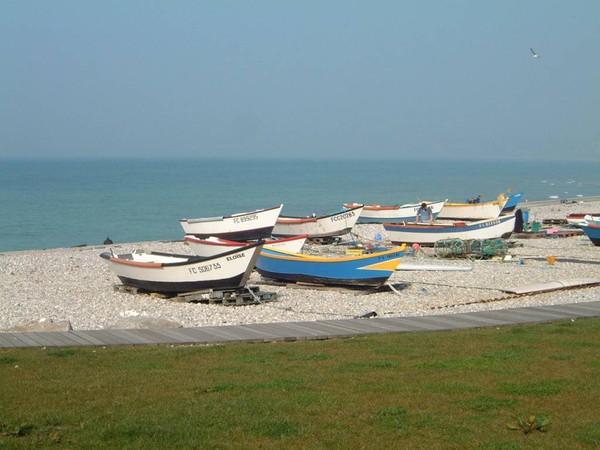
x=53, y=203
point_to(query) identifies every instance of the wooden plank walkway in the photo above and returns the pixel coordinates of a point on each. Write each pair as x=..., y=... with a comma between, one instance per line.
x=294, y=331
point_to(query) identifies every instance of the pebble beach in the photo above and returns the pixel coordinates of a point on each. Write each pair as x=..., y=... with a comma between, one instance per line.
x=74, y=286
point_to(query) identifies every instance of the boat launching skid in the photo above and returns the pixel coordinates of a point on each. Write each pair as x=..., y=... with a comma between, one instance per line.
x=248, y=295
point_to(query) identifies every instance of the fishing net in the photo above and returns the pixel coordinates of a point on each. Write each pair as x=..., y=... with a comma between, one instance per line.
x=487, y=248
x=472, y=248
x=450, y=248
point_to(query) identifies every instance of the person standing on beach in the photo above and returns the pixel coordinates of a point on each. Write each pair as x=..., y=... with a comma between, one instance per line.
x=425, y=214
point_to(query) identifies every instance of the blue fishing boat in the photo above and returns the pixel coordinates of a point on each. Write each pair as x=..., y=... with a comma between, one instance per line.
x=368, y=270
x=511, y=203
x=592, y=230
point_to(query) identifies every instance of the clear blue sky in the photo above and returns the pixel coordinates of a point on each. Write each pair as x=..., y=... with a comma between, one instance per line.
x=313, y=78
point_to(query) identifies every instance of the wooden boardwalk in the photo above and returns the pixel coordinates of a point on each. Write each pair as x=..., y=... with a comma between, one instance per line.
x=294, y=331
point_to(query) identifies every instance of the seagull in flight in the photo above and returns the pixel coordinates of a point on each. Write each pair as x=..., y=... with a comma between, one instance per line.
x=534, y=54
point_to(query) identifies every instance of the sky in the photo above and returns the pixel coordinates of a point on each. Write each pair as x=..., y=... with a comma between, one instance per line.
x=300, y=79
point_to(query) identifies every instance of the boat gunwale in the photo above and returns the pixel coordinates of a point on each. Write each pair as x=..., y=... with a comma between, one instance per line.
x=290, y=256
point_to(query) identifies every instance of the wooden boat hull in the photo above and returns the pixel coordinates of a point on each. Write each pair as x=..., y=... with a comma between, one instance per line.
x=215, y=246
x=473, y=211
x=592, y=231
x=574, y=219
x=396, y=213
x=511, y=203
x=172, y=273
x=470, y=211
x=426, y=234
x=369, y=270
x=331, y=225
x=246, y=226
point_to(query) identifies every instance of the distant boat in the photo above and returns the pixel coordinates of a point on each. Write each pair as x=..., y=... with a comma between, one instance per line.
x=172, y=273
x=592, y=231
x=215, y=246
x=368, y=270
x=395, y=213
x=245, y=226
x=327, y=226
x=502, y=227
x=473, y=211
x=574, y=219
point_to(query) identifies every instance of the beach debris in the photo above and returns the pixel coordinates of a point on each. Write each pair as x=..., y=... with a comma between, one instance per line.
x=366, y=315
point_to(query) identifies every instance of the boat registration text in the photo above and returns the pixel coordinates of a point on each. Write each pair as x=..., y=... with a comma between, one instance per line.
x=205, y=268
x=245, y=218
x=343, y=216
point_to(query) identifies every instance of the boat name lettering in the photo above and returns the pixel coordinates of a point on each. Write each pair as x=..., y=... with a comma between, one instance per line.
x=205, y=268
x=245, y=218
x=236, y=256
x=344, y=216
x=489, y=224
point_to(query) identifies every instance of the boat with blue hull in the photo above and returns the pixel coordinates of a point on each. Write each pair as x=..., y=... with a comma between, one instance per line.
x=427, y=234
x=592, y=231
x=368, y=270
x=512, y=202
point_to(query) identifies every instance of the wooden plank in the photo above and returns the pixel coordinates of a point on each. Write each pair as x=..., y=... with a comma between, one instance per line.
x=473, y=320
x=455, y=321
x=569, y=311
x=553, y=285
x=301, y=330
x=84, y=337
x=221, y=334
x=42, y=338
x=202, y=335
x=412, y=324
x=106, y=337
x=61, y=339
x=7, y=340
x=507, y=317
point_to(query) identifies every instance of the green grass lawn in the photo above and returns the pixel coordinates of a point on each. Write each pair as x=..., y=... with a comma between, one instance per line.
x=458, y=389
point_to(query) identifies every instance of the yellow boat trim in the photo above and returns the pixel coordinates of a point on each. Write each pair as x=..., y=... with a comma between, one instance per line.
x=295, y=256
x=390, y=264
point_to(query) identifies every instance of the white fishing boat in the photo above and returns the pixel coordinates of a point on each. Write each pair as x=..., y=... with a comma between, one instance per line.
x=393, y=213
x=574, y=219
x=245, y=226
x=473, y=211
x=427, y=234
x=215, y=246
x=328, y=226
x=173, y=273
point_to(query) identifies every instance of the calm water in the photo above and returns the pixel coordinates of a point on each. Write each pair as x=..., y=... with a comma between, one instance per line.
x=64, y=203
